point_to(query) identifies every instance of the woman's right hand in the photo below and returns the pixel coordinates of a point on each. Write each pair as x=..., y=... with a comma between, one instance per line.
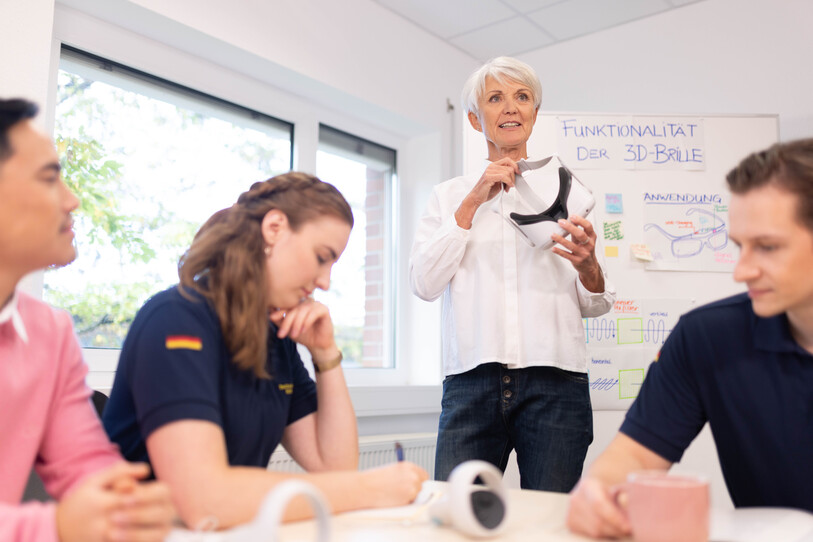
x=498, y=176
x=309, y=324
x=395, y=484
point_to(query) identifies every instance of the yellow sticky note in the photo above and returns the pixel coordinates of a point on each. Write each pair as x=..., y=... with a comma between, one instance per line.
x=611, y=252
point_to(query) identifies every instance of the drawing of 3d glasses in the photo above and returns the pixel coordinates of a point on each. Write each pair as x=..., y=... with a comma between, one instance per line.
x=691, y=244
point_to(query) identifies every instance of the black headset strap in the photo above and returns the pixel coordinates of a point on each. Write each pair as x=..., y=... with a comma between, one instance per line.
x=557, y=210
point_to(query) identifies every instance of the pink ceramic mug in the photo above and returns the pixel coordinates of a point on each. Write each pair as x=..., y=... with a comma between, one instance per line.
x=664, y=507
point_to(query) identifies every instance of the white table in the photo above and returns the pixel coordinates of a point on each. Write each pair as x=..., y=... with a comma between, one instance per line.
x=533, y=515
x=540, y=515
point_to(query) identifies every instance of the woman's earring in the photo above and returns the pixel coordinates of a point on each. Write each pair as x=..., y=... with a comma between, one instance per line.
x=267, y=250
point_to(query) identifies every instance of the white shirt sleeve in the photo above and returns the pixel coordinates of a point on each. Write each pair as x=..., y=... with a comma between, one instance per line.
x=592, y=304
x=436, y=252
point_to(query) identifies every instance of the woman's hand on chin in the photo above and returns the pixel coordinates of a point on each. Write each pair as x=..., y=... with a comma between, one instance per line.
x=308, y=323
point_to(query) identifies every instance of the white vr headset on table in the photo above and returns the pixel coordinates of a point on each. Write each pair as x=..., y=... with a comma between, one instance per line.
x=268, y=520
x=479, y=511
x=546, y=191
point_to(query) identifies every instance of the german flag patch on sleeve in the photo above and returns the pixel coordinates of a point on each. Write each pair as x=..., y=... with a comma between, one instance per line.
x=183, y=342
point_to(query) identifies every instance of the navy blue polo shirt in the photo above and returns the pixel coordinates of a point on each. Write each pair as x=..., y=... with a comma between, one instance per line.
x=753, y=383
x=175, y=365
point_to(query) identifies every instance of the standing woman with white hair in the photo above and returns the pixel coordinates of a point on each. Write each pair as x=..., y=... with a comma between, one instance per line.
x=514, y=355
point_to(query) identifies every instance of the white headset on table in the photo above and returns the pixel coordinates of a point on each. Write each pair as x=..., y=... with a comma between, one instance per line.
x=476, y=510
x=266, y=523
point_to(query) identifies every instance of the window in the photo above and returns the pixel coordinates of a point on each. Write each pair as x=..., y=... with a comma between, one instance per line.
x=360, y=297
x=150, y=161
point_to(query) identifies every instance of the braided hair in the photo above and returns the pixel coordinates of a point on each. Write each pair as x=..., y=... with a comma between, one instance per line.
x=226, y=261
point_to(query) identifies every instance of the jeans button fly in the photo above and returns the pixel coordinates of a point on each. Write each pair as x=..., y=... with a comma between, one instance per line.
x=506, y=379
x=507, y=394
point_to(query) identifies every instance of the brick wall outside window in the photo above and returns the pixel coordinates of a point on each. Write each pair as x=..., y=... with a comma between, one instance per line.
x=363, y=171
x=374, y=347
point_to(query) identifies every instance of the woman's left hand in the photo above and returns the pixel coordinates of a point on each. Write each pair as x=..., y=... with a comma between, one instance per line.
x=580, y=250
x=308, y=323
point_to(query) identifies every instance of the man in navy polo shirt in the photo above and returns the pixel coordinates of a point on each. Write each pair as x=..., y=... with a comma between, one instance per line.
x=743, y=364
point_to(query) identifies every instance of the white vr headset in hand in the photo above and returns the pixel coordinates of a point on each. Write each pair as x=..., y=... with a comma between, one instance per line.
x=266, y=523
x=476, y=510
x=546, y=191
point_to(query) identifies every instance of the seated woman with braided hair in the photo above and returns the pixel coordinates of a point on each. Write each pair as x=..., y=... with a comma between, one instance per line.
x=210, y=382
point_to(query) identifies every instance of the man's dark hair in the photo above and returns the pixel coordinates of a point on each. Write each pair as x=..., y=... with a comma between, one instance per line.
x=788, y=166
x=11, y=112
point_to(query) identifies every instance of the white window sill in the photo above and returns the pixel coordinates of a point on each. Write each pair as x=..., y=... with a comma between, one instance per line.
x=368, y=400
x=395, y=400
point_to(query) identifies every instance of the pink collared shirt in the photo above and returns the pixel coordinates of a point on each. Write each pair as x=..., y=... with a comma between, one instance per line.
x=9, y=313
x=46, y=418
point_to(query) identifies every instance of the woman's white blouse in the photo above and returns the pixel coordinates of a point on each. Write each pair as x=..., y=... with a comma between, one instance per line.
x=503, y=300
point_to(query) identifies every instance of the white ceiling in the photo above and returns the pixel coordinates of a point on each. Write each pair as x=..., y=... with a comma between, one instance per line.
x=487, y=28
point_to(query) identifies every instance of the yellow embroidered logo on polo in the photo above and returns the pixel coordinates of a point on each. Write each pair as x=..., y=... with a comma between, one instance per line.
x=287, y=388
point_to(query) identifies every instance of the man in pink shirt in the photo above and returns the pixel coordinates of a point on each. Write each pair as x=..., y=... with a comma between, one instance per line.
x=46, y=418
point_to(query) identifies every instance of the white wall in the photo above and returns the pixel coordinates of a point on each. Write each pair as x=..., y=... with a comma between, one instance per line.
x=714, y=56
x=353, y=46
x=25, y=53
x=350, y=54
x=25, y=58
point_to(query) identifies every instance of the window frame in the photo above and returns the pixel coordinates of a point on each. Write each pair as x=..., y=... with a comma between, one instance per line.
x=340, y=143
x=91, y=68
x=411, y=369
x=136, y=79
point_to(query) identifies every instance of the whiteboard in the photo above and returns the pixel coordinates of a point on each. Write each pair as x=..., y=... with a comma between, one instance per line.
x=659, y=185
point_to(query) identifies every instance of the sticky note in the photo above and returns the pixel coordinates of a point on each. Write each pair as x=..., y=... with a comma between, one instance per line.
x=611, y=252
x=613, y=203
x=614, y=231
x=641, y=251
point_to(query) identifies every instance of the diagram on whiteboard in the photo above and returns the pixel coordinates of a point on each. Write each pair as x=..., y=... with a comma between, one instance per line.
x=622, y=343
x=688, y=232
x=635, y=322
x=616, y=376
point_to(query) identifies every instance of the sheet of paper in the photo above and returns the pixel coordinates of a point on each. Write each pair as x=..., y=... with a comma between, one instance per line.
x=761, y=524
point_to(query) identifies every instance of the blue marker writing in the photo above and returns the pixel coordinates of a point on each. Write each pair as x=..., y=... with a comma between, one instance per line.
x=399, y=451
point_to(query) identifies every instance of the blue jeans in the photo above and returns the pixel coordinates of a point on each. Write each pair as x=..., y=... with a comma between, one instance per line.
x=543, y=413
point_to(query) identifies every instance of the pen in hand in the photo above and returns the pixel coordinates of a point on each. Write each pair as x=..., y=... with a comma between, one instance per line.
x=399, y=451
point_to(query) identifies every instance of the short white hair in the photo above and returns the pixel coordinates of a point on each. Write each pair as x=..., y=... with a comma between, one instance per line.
x=500, y=68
